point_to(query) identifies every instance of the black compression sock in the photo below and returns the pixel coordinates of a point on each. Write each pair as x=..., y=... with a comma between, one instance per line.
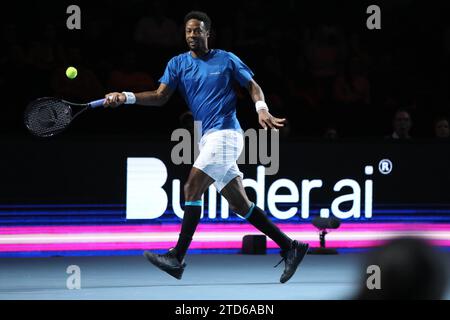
x=192, y=214
x=259, y=219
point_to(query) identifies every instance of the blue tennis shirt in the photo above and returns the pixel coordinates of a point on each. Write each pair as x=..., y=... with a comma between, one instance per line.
x=206, y=85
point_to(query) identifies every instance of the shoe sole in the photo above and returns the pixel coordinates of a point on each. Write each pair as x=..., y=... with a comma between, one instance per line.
x=177, y=273
x=303, y=253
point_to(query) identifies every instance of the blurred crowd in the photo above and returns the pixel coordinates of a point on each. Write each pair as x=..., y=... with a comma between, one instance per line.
x=319, y=66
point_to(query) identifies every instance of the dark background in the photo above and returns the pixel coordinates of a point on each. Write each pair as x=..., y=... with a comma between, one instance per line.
x=303, y=54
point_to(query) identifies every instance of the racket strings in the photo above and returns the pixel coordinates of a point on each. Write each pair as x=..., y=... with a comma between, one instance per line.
x=46, y=117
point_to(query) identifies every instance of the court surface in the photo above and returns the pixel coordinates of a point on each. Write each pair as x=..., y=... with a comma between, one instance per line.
x=207, y=277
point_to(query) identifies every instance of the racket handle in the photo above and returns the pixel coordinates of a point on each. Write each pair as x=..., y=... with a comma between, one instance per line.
x=96, y=103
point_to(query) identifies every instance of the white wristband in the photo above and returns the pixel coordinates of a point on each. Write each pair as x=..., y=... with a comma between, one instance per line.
x=131, y=98
x=261, y=105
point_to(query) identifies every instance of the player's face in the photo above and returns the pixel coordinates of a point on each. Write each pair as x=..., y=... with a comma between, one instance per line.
x=442, y=129
x=402, y=121
x=196, y=34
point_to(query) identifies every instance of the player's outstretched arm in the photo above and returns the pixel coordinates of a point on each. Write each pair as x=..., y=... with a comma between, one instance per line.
x=157, y=97
x=266, y=120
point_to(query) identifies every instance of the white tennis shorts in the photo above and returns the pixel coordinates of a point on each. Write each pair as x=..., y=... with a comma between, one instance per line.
x=219, y=151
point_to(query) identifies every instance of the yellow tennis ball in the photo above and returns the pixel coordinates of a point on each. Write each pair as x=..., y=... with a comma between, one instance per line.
x=71, y=72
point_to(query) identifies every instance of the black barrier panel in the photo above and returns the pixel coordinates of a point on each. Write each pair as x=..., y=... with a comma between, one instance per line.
x=94, y=171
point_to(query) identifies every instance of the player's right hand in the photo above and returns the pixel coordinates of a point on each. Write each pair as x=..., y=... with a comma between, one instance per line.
x=114, y=99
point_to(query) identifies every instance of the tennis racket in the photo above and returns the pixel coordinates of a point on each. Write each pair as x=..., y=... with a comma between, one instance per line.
x=46, y=117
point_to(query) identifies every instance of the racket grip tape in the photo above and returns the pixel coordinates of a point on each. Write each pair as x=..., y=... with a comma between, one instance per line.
x=96, y=103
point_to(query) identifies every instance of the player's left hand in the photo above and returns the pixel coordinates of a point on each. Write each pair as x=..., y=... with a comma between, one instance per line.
x=266, y=120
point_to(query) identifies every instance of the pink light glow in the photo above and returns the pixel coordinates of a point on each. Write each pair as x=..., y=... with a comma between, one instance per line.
x=166, y=245
x=223, y=227
x=209, y=236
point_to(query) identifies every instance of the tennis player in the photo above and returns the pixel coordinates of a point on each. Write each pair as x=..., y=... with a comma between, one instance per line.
x=205, y=77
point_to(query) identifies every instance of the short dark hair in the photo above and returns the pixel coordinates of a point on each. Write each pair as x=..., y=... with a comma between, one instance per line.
x=199, y=15
x=439, y=119
x=399, y=110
